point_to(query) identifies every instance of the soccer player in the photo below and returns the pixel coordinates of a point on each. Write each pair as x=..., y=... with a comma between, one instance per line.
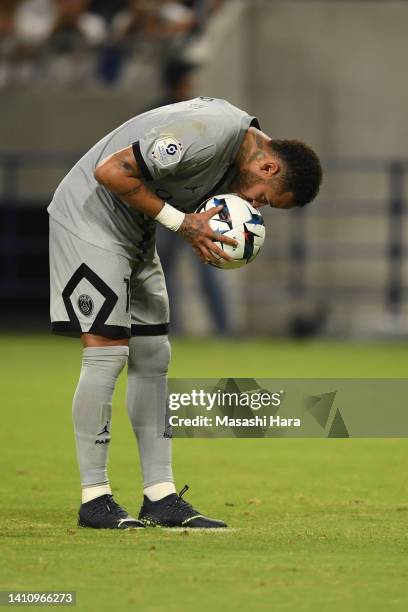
x=107, y=285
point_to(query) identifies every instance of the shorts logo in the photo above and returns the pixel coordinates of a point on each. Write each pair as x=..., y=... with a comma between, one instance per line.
x=166, y=151
x=85, y=304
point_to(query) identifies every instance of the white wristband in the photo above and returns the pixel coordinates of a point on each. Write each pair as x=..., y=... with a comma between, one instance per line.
x=170, y=217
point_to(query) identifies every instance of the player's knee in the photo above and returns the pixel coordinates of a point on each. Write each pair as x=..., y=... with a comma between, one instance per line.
x=149, y=355
x=104, y=362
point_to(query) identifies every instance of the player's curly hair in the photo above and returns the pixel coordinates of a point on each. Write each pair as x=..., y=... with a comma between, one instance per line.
x=303, y=171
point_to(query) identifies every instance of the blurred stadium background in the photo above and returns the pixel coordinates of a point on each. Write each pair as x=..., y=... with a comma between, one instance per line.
x=329, y=72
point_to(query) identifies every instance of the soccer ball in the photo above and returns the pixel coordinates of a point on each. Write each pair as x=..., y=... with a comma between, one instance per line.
x=238, y=220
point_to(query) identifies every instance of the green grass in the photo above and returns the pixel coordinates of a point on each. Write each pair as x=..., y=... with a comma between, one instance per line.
x=316, y=523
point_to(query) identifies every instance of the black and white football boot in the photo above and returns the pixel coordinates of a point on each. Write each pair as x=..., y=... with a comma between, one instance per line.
x=104, y=513
x=174, y=511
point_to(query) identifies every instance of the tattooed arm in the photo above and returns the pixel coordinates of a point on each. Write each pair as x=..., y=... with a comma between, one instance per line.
x=121, y=175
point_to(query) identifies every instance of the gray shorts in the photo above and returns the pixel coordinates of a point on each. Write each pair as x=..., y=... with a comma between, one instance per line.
x=103, y=293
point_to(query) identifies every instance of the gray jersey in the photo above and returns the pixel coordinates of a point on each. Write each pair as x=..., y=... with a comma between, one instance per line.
x=186, y=152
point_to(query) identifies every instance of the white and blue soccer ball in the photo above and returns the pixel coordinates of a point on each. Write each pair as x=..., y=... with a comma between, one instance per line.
x=238, y=220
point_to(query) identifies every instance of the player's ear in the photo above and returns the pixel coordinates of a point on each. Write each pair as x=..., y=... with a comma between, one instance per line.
x=270, y=167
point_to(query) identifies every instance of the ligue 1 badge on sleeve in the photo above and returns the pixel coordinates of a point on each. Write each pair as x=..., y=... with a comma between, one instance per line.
x=167, y=150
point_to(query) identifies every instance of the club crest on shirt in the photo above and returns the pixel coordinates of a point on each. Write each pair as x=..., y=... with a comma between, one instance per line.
x=85, y=304
x=166, y=151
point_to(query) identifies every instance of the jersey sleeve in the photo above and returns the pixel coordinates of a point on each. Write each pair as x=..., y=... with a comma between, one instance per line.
x=173, y=148
x=203, y=132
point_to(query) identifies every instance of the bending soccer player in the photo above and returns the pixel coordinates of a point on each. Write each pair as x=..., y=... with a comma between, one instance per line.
x=107, y=285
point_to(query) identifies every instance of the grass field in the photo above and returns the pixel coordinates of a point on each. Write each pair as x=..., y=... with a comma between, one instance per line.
x=316, y=524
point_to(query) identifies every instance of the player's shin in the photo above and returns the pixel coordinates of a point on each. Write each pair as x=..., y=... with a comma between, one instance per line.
x=91, y=411
x=149, y=358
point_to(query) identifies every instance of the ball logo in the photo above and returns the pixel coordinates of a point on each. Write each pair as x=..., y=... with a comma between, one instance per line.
x=85, y=304
x=171, y=149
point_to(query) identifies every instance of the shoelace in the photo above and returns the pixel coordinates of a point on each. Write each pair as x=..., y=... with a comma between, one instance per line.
x=114, y=508
x=106, y=503
x=181, y=505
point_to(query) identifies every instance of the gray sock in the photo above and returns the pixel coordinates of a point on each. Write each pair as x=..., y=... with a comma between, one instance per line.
x=92, y=408
x=149, y=358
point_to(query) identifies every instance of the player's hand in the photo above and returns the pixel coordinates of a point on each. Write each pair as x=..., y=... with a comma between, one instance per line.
x=196, y=230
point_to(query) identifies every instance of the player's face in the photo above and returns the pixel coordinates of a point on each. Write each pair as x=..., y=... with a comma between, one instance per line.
x=260, y=184
x=267, y=195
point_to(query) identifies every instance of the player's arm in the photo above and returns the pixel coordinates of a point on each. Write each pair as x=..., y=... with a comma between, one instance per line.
x=120, y=174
